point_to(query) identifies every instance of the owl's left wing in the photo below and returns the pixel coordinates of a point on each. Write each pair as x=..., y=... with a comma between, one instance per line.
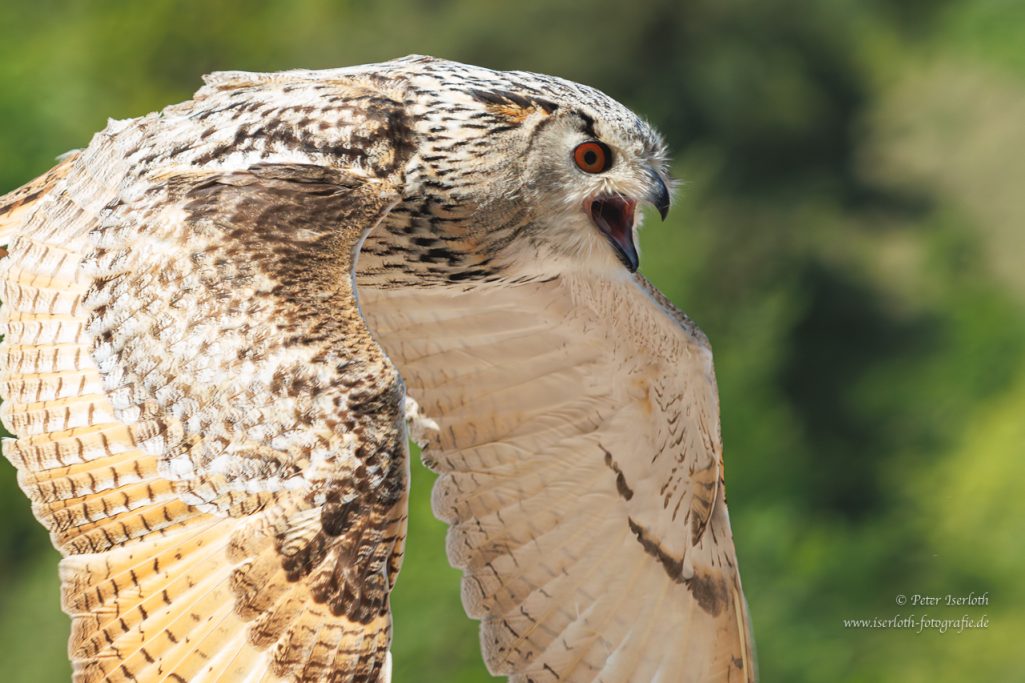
x=581, y=471
x=204, y=423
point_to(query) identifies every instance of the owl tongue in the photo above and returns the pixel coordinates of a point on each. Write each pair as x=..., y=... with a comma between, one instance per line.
x=614, y=216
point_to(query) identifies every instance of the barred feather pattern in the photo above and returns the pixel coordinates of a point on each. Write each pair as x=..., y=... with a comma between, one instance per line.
x=223, y=463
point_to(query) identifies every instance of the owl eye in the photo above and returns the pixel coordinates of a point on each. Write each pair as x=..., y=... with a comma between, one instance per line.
x=593, y=157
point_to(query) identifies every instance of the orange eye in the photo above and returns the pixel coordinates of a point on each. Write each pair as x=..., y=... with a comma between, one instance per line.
x=593, y=157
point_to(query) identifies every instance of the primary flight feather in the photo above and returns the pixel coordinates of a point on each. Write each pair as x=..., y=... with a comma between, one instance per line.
x=212, y=318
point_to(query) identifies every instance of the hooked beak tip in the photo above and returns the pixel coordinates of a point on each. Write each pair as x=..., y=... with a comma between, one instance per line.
x=659, y=194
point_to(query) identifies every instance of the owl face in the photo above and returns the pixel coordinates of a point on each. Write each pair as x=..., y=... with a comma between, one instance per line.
x=592, y=172
x=555, y=169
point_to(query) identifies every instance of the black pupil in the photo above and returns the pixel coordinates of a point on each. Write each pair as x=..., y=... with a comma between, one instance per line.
x=590, y=157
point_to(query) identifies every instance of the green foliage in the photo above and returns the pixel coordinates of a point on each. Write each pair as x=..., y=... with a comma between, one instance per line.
x=848, y=234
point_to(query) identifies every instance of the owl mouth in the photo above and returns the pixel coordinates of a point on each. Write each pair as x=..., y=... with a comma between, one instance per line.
x=613, y=215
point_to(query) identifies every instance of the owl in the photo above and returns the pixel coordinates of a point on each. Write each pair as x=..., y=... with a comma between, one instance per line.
x=224, y=322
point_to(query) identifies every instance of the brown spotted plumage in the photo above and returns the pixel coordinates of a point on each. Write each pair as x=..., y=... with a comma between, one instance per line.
x=213, y=316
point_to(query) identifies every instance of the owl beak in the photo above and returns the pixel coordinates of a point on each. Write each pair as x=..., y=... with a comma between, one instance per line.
x=613, y=215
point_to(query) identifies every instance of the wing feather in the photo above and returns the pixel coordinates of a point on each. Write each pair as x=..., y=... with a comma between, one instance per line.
x=581, y=473
x=204, y=424
x=18, y=206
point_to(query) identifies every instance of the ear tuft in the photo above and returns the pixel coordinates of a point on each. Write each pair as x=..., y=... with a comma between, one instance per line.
x=512, y=106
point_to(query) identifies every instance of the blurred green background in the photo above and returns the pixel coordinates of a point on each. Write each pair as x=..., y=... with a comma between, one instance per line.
x=850, y=235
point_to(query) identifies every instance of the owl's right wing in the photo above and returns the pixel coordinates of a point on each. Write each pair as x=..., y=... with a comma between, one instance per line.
x=580, y=468
x=205, y=426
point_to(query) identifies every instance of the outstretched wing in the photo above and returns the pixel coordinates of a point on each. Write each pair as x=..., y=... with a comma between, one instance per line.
x=581, y=473
x=204, y=423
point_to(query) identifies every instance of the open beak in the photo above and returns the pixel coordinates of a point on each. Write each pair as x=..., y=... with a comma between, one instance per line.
x=613, y=215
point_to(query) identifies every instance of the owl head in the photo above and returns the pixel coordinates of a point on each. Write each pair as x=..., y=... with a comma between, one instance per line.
x=557, y=170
